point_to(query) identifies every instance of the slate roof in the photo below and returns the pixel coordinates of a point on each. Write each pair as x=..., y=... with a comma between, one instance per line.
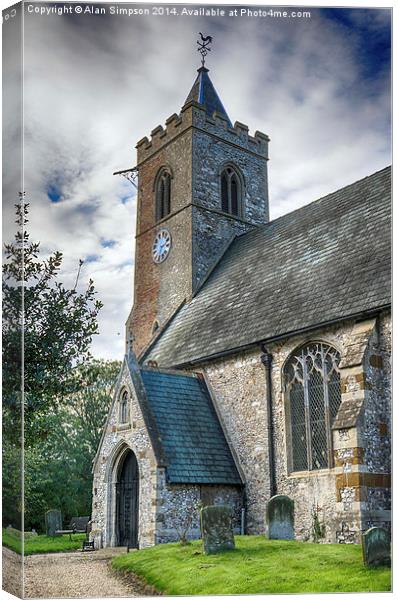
x=190, y=433
x=203, y=91
x=324, y=262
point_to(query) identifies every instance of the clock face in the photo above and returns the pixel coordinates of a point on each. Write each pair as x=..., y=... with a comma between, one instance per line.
x=161, y=246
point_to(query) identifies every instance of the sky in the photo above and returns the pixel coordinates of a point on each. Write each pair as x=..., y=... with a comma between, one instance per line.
x=95, y=85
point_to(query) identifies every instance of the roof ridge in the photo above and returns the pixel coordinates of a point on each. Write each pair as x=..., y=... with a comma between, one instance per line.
x=165, y=371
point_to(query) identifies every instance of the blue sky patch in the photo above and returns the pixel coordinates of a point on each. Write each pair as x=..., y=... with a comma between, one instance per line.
x=371, y=33
x=108, y=243
x=88, y=208
x=91, y=258
x=54, y=193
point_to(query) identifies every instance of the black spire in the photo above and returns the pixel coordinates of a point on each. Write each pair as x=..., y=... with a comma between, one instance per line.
x=203, y=91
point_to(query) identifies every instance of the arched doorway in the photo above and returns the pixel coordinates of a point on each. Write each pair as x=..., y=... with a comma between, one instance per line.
x=127, y=488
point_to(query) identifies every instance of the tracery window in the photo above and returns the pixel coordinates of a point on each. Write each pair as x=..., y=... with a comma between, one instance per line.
x=123, y=409
x=312, y=385
x=163, y=194
x=231, y=192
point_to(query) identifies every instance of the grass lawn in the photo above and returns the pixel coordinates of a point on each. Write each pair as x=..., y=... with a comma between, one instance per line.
x=41, y=543
x=257, y=566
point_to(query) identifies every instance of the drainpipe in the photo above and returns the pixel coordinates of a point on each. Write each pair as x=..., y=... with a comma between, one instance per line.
x=243, y=520
x=266, y=359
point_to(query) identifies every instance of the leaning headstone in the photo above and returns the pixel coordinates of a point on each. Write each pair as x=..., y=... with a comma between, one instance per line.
x=376, y=547
x=53, y=522
x=280, y=518
x=216, y=527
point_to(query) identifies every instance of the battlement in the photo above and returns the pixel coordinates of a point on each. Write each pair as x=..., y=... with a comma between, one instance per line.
x=194, y=114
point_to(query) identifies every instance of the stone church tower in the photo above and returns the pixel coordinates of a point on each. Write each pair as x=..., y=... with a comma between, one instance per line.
x=201, y=182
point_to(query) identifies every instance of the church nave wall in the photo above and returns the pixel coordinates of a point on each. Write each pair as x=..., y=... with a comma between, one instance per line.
x=352, y=494
x=238, y=384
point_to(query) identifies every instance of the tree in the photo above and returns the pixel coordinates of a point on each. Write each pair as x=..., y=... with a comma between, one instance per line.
x=89, y=403
x=58, y=470
x=47, y=331
x=46, y=324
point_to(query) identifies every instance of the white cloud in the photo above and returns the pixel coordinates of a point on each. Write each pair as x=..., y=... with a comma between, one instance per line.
x=95, y=86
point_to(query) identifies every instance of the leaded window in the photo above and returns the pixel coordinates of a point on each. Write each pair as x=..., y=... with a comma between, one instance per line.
x=163, y=194
x=123, y=412
x=312, y=385
x=231, y=192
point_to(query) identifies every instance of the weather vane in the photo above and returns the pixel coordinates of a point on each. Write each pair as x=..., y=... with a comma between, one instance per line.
x=204, y=46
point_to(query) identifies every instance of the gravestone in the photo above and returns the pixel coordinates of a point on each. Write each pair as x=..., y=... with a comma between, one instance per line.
x=280, y=518
x=376, y=547
x=216, y=527
x=53, y=522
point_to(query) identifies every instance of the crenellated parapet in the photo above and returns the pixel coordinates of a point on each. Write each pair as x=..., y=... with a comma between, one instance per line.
x=238, y=134
x=160, y=136
x=193, y=115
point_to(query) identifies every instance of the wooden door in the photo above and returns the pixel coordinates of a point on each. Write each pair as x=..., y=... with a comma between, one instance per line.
x=127, y=500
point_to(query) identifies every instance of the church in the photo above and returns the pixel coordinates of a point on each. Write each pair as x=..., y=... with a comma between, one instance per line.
x=258, y=352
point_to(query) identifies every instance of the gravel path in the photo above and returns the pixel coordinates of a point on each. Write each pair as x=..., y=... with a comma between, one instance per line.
x=79, y=575
x=12, y=572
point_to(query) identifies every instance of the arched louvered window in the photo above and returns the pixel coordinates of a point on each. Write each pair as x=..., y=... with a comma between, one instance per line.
x=312, y=385
x=123, y=409
x=231, y=192
x=163, y=194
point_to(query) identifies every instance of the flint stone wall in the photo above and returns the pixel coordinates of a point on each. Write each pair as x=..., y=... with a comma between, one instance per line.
x=239, y=385
x=213, y=147
x=174, y=500
x=209, y=156
x=376, y=437
x=377, y=413
x=117, y=437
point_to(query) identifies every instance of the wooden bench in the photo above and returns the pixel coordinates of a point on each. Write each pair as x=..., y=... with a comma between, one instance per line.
x=65, y=532
x=79, y=525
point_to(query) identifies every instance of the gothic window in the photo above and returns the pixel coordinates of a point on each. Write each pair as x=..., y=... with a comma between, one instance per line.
x=123, y=409
x=231, y=192
x=163, y=194
x=312, y=384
